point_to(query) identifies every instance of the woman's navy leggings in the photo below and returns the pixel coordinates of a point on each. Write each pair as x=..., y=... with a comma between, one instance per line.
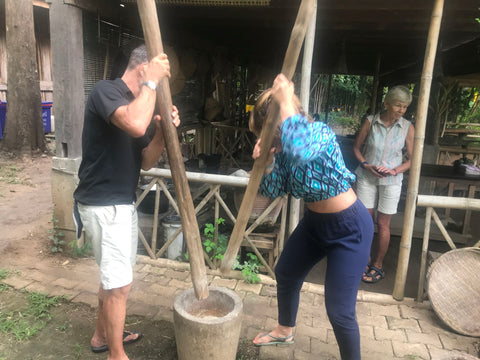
x=344, y=238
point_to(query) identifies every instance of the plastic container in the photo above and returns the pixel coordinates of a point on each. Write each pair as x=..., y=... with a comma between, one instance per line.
x=177, y=248
x=46, y=116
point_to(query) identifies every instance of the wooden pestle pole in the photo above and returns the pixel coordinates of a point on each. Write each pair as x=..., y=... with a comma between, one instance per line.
x=297, y=36
x=191, y=233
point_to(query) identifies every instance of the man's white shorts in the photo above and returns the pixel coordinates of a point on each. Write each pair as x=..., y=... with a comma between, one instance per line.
x=113, y=232
x=382, y=197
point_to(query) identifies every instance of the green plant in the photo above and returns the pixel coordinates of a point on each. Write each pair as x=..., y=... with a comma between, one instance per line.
x=27, y=322
x=82, y=251
x=215, y=249
x=249, y=268
x=56, y=236
x=4, y=273
x=9, y=174
x=77, y=351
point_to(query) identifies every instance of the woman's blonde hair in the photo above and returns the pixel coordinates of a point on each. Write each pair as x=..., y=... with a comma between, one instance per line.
x=262, y=107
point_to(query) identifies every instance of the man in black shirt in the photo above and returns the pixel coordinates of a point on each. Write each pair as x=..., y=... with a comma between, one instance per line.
x=114, y=148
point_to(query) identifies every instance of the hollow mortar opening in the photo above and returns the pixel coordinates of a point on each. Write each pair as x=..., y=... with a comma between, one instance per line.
x=216, y=305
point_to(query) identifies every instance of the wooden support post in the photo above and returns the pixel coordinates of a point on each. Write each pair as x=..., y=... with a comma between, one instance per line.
x=297, y=204
x=191, y=233
x=468, y=213
x=290, y=62
x=423, y=262
x=376, y=81
x=414, y=177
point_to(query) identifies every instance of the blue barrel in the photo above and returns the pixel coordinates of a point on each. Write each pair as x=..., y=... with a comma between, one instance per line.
x=47, y=116
x=3, y=113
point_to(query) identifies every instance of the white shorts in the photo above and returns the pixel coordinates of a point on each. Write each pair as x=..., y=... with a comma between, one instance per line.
x=382, y=197
x=113, y=232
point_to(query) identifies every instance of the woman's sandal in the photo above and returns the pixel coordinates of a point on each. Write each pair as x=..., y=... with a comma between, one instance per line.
x=374, y=277
x=276, y=340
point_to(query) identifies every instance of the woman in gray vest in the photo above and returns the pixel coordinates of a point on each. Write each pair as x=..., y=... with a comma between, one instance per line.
x=379, y=149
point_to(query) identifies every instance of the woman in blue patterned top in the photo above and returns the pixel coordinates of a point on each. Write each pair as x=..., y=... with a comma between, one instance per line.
x=306, y=161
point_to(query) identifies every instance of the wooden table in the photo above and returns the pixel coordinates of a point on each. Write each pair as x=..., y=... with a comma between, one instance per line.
x=449, y=174
x=463, y=151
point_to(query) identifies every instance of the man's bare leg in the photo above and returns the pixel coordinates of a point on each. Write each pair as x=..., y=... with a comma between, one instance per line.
x=112, y=306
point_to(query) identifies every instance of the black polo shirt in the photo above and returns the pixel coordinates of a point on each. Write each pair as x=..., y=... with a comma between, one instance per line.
x=111, y=158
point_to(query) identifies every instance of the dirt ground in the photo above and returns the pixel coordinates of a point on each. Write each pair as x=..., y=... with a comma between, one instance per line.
x=25, y=218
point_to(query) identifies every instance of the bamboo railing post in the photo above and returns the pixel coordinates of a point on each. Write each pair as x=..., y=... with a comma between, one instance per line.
x=414, y=177
x=423, y=262
x=153, y=40
x=290, y=62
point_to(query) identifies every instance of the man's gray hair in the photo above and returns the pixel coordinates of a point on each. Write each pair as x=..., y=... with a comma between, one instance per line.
x=398, y=93
x=137, y=57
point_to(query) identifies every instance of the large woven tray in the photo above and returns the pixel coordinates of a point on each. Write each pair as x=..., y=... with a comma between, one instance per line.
x=454, y=290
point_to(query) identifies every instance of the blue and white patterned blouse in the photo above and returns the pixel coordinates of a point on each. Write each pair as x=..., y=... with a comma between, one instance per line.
x=310, y=165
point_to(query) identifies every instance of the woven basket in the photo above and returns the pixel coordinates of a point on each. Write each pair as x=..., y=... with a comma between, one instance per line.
x=454, y=290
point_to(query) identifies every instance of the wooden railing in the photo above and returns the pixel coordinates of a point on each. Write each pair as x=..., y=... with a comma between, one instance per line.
x=211, y=183
x=444, y=202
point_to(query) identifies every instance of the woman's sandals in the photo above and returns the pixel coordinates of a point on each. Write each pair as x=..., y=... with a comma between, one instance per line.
x=373, y=275
x=277, y=340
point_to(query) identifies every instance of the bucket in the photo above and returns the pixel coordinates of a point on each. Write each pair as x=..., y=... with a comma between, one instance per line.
x=207, y=329
x=170, y=224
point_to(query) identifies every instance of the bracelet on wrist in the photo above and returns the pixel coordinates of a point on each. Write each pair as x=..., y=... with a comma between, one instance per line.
x=396, y=172
x=363, y=164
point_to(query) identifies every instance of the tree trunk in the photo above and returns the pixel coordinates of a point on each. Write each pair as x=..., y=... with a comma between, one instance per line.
x=23, y=125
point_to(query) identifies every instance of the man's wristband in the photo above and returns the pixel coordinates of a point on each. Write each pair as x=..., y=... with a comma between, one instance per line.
x=396, y=172
x=151, y=84
x=363, y=164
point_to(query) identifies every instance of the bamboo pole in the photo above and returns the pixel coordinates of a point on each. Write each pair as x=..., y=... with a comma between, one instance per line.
x=376, y=80
x=448, y=202
x=442, y=229
x=191, y=233
x=290, y=62
x=414, y=177
x=327, y=102
x=423, y=262
x=295, y=204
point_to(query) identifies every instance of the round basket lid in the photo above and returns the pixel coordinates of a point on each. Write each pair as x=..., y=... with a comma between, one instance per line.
x=454, y=290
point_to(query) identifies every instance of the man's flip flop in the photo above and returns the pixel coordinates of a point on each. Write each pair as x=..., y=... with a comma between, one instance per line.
x=277, y=340
x=103, y=348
